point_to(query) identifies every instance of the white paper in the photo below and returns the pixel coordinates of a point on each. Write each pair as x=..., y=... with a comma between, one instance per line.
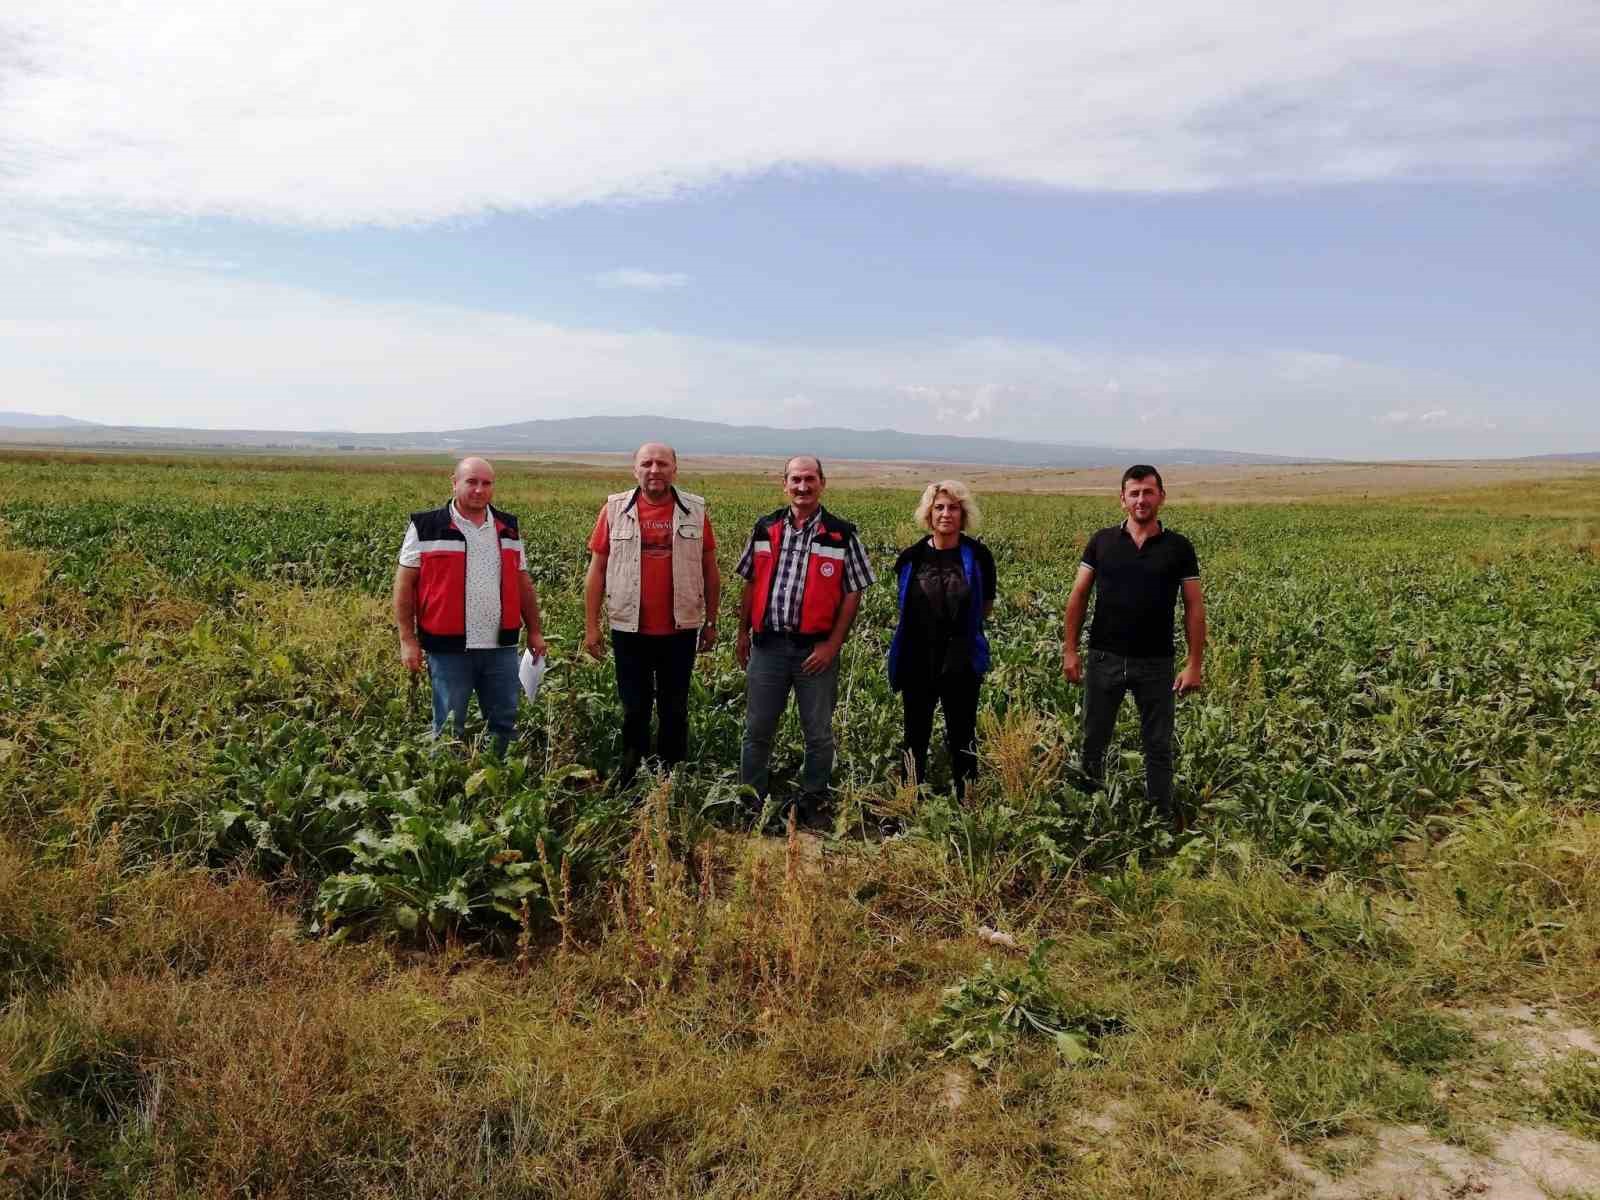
x=531, y=671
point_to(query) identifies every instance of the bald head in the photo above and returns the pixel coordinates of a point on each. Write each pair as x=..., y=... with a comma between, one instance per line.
x=472, y=486
x=655, y=468
x=655, y=450
x=473, y=466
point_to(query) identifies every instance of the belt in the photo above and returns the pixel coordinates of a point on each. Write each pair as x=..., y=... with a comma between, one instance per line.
x=767, y=638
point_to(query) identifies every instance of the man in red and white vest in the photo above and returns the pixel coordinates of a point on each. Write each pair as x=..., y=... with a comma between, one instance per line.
x=804, y=570
x=462, y=594
x=653, y=561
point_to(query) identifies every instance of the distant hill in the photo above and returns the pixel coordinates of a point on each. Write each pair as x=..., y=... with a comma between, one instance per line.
x=22, y=420
x=603, y=435
x=609, y=434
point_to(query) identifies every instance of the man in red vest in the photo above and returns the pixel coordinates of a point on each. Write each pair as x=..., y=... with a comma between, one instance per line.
x=462, y=593
x=804, y=570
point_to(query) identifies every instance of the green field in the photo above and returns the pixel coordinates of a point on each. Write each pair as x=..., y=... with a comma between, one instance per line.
x=259, y=937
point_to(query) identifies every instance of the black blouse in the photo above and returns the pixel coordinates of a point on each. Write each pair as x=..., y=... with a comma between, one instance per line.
x=938, y=609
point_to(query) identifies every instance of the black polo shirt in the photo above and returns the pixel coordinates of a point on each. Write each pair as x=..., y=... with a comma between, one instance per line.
x=1136, y=589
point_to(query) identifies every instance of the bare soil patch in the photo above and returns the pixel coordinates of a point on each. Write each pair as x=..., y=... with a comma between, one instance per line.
x=1524, y=1163
x=1535, y=1034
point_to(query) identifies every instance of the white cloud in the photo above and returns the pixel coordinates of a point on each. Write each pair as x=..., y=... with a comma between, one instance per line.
x=403, y=111
x=1438, y=418
x=53, y=237
x=633, y=279
x=971, y=405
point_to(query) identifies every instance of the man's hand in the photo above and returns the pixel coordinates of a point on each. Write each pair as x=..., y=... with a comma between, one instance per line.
x=708, y=636
x=411, y=654
x=536, y=644
x=741, y=649
x=595, y=644
x=820, y=658
x=1188, y=680
x=1071, y=664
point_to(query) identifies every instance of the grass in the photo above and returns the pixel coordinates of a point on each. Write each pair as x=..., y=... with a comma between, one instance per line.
x=1394, y=766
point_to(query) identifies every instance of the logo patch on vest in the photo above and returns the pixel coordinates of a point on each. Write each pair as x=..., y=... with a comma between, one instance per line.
x=826, y=569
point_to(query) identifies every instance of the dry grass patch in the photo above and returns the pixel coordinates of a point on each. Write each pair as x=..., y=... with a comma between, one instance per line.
x=22, y=576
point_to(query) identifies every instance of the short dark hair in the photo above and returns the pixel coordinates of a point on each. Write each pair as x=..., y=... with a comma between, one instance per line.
x=1141, y=471
x=794, y=458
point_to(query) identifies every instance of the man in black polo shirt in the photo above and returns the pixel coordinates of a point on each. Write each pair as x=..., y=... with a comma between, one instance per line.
x=1136, y=569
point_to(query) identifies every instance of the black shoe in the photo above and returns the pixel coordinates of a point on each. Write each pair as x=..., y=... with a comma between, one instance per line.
x=1081, y=780
x=627, y=770
x=814, y=812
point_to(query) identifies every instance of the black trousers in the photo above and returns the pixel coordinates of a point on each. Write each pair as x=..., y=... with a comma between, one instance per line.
x=957, y=691
x=1107, y=678
x=654, y=671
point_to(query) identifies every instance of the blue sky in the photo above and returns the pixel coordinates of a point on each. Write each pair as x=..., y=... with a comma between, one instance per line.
x=1353, y=231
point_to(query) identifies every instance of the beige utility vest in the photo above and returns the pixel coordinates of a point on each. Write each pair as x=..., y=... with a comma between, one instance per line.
x=622, y=564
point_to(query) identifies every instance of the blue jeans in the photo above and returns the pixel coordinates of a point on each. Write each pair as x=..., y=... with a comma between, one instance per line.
x=490, y=673
x=1107, y=678
x=774, y=669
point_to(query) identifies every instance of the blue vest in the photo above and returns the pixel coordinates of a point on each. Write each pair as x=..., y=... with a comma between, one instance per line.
x=977, y=643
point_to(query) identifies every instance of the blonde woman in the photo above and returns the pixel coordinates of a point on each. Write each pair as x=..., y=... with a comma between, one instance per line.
x=939, y=653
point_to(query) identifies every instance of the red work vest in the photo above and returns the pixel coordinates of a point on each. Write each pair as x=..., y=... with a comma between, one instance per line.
x=823, y=587
x=442, y=580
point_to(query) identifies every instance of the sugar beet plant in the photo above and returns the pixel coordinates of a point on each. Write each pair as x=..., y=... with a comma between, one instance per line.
x=415, y=834
x=199, y=656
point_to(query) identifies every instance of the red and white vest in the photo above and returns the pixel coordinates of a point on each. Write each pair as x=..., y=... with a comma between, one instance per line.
x=824, y=572
x=442, y=580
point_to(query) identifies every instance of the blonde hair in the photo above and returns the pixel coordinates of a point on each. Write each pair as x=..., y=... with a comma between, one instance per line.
x=971, y=514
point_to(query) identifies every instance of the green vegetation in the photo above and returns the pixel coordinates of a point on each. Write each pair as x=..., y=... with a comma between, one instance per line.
x=259, y=936
x=983, y=1017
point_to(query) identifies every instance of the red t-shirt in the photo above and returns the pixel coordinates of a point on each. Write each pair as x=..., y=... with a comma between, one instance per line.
x=655, y=560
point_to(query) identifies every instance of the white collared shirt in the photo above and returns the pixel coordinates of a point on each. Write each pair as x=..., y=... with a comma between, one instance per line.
x=483, y=575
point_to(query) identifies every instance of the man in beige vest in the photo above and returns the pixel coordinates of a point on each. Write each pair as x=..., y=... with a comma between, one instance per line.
x=653, y=561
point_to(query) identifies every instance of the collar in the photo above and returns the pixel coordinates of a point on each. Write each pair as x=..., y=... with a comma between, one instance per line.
x=456, y=517
x=808, y=524
x=638, y=491
x=1160, y=528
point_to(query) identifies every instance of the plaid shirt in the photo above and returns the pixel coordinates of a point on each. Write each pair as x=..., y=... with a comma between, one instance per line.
x=789, y=576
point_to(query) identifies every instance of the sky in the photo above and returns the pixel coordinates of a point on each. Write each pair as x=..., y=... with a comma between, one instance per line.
x=1362, y=229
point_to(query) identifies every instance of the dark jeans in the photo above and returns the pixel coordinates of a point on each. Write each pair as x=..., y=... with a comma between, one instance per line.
x=1106, y=678
x=654, y=670
x=774, y=669
x=490, y=673
x=958, y=692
